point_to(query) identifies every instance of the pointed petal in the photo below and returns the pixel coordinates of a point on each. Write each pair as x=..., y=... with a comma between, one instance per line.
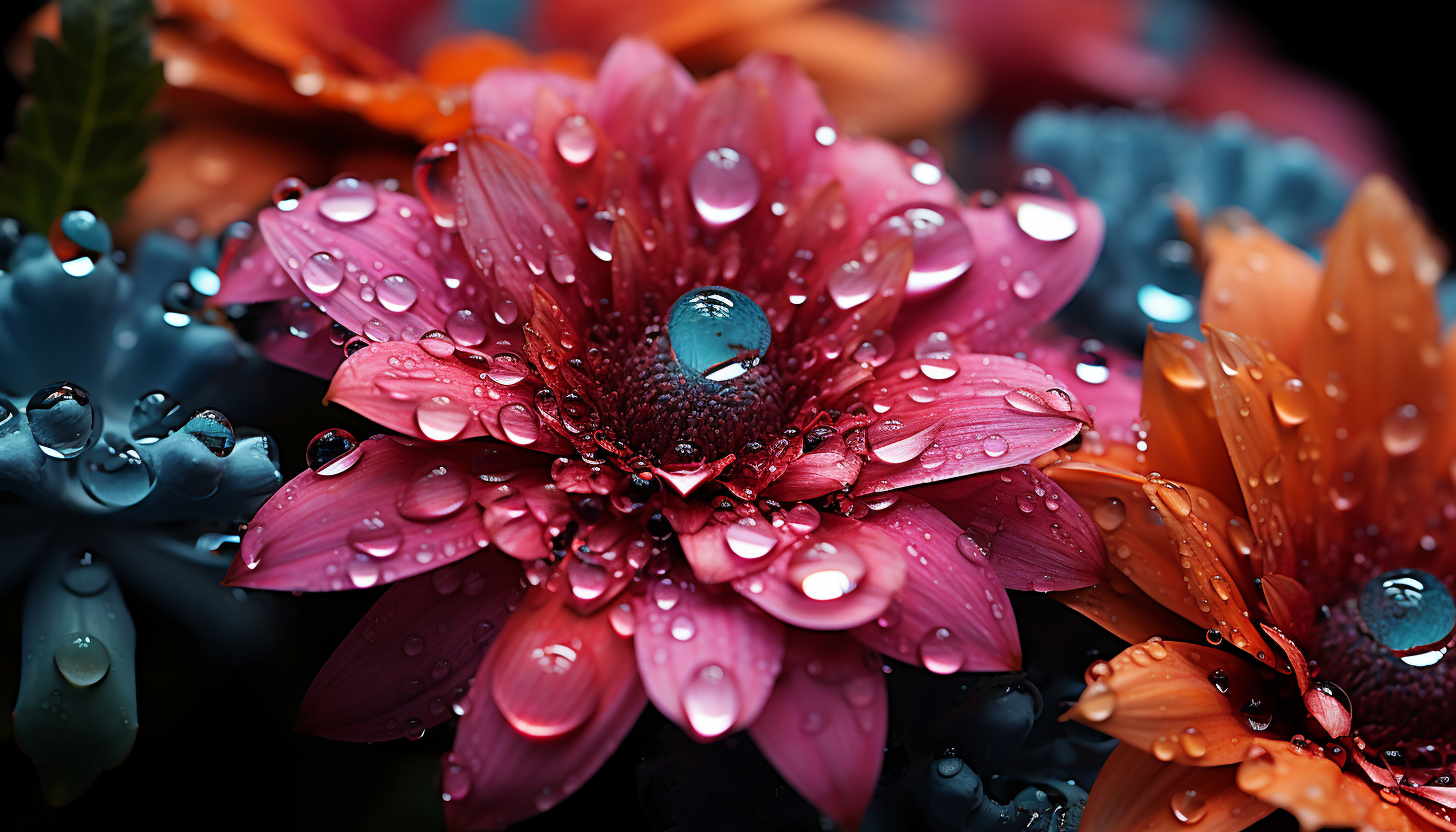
x=1126, y=611
x=828, y=468
x=549, y=668
x=407, y=388
x=840, y=575
x=708, y=660
x=75, y=723
x=1036, y=536
x=952, y=614
x=308, y=349
x=1158, y=698
x=1181, y=430
x=251, y=274
x=412, y=656
x=824, y=727
x=1290, y=605
x=1317, y=792
x=962, y=415
x=1103, y=377
x=1257, y=285
x=1136, y=791
x=402, y=508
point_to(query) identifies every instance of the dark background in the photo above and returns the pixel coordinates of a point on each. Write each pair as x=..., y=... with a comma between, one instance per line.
x=216, y=749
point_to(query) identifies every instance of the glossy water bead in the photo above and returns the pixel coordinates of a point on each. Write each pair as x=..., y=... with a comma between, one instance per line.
x=1408, y=610
x=717, y=333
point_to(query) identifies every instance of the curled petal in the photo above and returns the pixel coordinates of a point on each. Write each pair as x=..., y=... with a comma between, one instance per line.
x=553, y=698
x=406, y=388
x=399, y=509
x=824, y=726
x=1036, y=536
x=707, y=658
x=1317, y=792
x=952, y=614
x=1158, y=698
x=412, y=656
x=1290, y=605
x=828, y=468
x=841, y=575
x=962, y=414
x=1135, y=790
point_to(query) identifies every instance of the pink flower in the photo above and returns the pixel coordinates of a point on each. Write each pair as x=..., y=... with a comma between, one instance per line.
x=707, y=345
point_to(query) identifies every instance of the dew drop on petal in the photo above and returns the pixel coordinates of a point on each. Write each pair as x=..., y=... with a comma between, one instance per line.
x=941, y=245
x=332, y=452
x=724, y=186
x=575, y=139
x=710, y=700
x=397, y=293
x=441, y=418
x=82, y=659
x=941, y=651
x=348, y=199
x=434, y=177
x=465, y=328
x=519, y=423
x=435, y=493
x=547, y=688
x=322, y=273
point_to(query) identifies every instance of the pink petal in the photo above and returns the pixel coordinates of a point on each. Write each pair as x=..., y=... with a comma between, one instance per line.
x=635, y=73
x=413, y=654
x=1037, y=537
x=550, y=667
x=828, y=468
x=1109, y=383
x=876, y=181
x=403, y=508
x=730, y=546
x=824, y=726
x=1015, y=282
x=962, y=414
x=314, y=353
x=406, y=388
x=840, y=575
x=251, y=274
x=503, y=101
x=393, y=275
x=952, y=613
x=707, y=658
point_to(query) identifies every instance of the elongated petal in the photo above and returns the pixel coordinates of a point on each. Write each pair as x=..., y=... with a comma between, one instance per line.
x=962, y=414
x=406, y=388
x=952, y=613
x=402, y=508
x=1137, y=791
x=1158, y=698
x=707, y=658
x=251, y=274
x=1126, y=611
x=1257, y=285
x=553, y=698
x=1317, y=792
x=308, y=349
x=411, y=657
x=824, y=726
x=1036, y=536
x=1180, y=425
x=843, y=574
x=76, y=713
x=1290, y=605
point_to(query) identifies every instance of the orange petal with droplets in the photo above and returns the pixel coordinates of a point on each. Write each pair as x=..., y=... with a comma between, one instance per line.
x=1318, y=793
x=1126, y=611
x=1137, y=792
x=1158, y=697
x=1257, y=284
x=1290, y=604
x=1180, y=425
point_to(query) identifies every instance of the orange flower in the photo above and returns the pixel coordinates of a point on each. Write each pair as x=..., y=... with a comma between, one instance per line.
x=264, y=89
x=875, y=78
x=1287, y=524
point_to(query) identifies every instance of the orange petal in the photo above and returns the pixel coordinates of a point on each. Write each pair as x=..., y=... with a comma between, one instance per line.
x=1136, y=792
x=1373, y=350
x=1182, y=436
x=1158, y=697
x=1291, y=607
x=673, y=24
x=1318, y=793
x=1278, y=434
x=1153, y=527
x=1126, y=611
x=1257, y=284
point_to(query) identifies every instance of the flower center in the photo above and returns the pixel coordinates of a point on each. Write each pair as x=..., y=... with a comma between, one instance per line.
x=717, y=333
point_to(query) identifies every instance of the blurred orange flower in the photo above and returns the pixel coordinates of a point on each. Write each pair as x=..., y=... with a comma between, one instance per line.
x=264, y=89
x=1286, y=524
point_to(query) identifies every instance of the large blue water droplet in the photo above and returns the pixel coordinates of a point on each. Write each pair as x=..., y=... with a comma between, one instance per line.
x=154, y=417
x=114, y=474
x=213, y=430
x=9, y=416
x=79, y=239
x=62, y=420
x=718, y=333
x=1408, y=610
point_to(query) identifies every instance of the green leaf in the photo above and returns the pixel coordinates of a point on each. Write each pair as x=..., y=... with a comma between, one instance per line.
x=85, y=126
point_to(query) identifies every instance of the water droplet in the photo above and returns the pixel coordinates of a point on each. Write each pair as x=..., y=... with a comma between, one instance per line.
x=1219, y=678
x=114, y=474
x=711, y=701
x=1042, y=199
x=213, y=430
x=434, y=177
x=1257, y=714
x=1292, y=402
x=441, y=418
x=995, y=445
x=1193, y=742
x=438, y=492
x=80, y=240
x=332, y=452
x=465, y=328
x=941, y=651
x=717, y=333
x=1027, y=285
x=1408, y=610
x=1109, y=514
x=288, y=193
x=322, y=273
x=397, y=293
x=82, y=659
x=724, y=186
x=1189, y=806
x=683, y=628
x=941, y=245
x=547, y=689
x=62, y=421
x=1098, y=702
x=518, y=422
x=86, y=578
x=576, y=140
x=1403, y=430
x=747, y=539
x=599, y=235
x=374, y=537
x=348, y=199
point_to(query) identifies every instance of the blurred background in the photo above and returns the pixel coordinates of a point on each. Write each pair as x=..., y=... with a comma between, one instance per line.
x=216, y=747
